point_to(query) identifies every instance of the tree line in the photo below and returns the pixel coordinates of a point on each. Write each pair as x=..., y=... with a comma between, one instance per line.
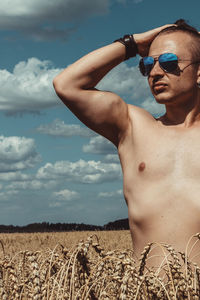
x=121, y=224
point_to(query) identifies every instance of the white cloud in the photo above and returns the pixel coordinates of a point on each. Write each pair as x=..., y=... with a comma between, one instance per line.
x=17, y=153
x=111, y=158
x=14, y=176
x=80, y=171
x=30, y=85
x=115, y=194
x=47, y=19
x=125, y=81
x=6, y=195
x=60, y=128
x=99, y=145
x=129, y=83
x=66, y=195
x=32, y=185
x=63, y=196
x=29, y=88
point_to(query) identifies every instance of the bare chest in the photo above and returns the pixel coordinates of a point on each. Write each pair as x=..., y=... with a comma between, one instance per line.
x=156, y=154
x=161, y=168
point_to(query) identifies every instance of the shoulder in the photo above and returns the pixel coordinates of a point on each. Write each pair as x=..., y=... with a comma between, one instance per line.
x=139, y=114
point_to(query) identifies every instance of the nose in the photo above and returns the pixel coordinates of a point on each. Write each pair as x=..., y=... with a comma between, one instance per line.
x=156, y=70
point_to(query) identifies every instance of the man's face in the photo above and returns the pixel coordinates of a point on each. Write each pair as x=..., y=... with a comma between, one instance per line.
x=176, y=87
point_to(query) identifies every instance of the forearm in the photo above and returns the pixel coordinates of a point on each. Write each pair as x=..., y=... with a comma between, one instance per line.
x=90, y=69
x=85, y=73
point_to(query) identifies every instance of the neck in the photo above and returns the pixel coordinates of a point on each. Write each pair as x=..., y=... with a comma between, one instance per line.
x=184, y=114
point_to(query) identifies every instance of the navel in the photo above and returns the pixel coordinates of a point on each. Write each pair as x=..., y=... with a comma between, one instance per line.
x=141, y=166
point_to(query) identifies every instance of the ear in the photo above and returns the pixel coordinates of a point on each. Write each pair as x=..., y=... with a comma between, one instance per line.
x=198, y=75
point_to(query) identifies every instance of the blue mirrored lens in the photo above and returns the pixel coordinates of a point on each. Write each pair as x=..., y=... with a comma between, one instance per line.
x=167, y=57
x=146, y=65
x=168, y=62
x=148, y=60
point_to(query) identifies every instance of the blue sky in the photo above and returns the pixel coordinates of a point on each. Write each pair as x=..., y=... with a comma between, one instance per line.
x=52, y=168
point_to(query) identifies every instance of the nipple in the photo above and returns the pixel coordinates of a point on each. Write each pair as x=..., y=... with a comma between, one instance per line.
x=141, y=166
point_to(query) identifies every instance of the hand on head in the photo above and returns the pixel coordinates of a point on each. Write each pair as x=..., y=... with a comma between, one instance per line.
x=145, y=39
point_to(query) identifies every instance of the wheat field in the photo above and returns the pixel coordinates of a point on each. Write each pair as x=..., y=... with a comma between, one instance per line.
x=92, y=265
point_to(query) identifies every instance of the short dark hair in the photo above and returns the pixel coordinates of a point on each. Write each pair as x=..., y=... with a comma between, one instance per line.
x=181, y=25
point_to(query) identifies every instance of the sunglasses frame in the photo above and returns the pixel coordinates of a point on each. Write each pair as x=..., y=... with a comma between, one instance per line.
x=157, y=58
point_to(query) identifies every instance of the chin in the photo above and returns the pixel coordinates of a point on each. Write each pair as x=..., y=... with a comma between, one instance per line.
x=163, y=98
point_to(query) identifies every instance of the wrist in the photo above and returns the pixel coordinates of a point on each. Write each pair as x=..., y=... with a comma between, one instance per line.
x=130, y=44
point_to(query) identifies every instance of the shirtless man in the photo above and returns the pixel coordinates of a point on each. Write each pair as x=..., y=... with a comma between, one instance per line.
x=160, y=158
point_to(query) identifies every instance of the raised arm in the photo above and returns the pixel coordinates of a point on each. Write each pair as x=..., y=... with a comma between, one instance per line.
x=102, y=111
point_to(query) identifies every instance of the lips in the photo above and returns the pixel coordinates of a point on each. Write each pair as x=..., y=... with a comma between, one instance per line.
x=159, y=86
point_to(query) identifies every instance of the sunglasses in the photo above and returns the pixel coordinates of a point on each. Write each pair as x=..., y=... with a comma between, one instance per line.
x=167, y=61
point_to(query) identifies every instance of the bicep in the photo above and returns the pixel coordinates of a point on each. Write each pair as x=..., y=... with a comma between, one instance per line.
x=104, y=112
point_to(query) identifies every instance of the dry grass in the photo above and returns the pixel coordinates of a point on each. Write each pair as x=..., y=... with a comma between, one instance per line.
x=99, y=266
x=15, y=242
